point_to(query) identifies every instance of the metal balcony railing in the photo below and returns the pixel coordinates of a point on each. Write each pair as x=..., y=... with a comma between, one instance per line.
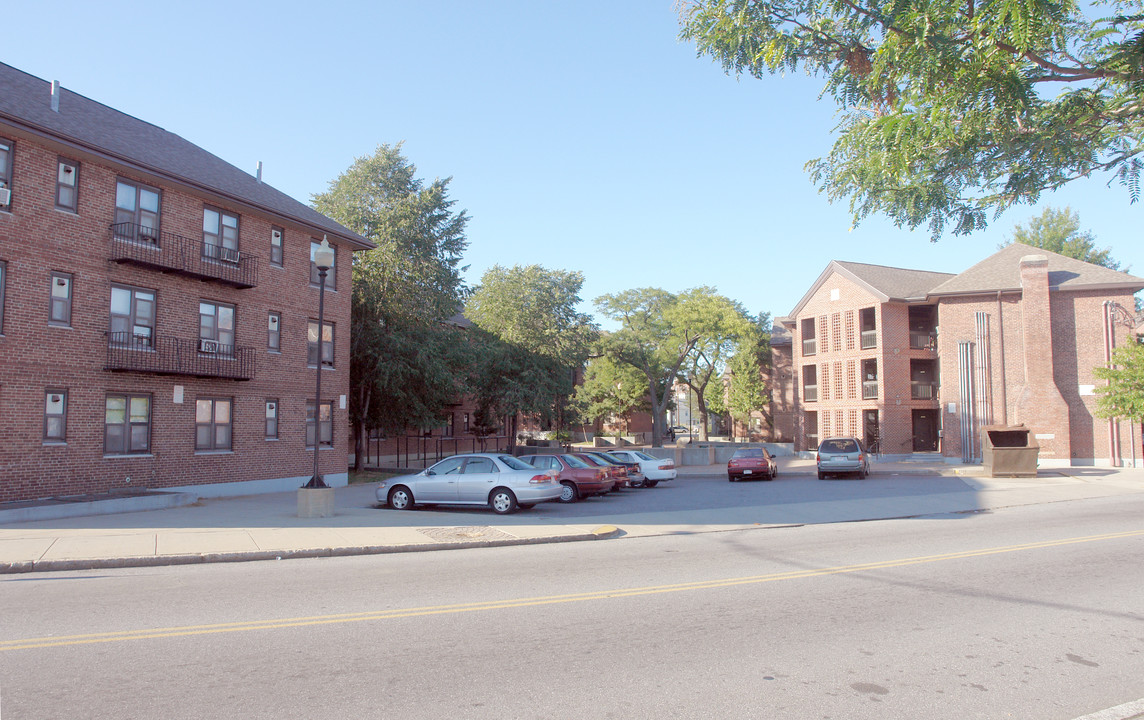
x=869, y=339
x=923, y=391
x=810, y=393
x=164, y=355
x=147, y=247
x=809, y=346
x=869, y=389
x=923, y=340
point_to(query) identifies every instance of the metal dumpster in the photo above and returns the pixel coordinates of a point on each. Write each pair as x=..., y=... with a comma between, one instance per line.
x=1008, y=451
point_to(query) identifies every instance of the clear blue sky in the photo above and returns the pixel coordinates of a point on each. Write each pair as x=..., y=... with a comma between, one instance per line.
x=579, y=135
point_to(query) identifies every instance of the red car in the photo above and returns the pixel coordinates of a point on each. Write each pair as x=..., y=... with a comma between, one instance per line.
x=577, y=478
x=752, y=463
x=619, y=473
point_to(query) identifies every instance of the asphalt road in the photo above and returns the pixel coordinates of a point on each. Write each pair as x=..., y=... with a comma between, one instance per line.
x=1032, y=612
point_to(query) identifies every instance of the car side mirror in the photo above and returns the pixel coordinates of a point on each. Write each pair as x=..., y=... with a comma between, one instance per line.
x=427, y=472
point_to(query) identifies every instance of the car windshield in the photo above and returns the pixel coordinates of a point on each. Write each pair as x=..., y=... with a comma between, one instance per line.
x=514, y=463
x=575, y=461
x=642, y=456
x=611, y=458
x=844, y=445
x=748, y=453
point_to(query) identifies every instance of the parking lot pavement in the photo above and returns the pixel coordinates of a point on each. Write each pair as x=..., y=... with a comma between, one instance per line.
x=261, y=527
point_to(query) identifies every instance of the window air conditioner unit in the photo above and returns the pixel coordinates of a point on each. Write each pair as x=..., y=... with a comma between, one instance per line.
x=276, y=236
x=228, y=255
x=208, y=346
x=5, y=196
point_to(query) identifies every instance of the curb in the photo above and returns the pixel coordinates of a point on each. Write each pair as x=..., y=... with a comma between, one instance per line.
x=605, y=532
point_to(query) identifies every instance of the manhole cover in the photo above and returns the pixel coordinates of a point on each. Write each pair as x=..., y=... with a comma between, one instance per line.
x=465, y=534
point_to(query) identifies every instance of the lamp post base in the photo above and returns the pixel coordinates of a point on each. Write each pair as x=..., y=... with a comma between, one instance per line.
x=315, y=502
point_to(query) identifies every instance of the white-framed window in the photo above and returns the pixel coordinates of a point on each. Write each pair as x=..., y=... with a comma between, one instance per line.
x=55, y=415
x=59, y=312
x=213, y=423
x=67, y=185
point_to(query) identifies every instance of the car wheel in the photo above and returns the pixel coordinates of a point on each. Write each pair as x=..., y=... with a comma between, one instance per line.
x=650, y=483
x=502, y=501
x=821, y=475
x=862, y=475
x=730, y=477
x=568, y=492
x=400, y=498
x=633, y=483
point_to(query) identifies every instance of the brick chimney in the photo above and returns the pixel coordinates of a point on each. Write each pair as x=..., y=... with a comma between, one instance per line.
x=1040, y=405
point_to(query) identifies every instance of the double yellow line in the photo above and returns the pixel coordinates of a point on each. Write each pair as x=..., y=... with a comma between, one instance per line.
x=188, y=630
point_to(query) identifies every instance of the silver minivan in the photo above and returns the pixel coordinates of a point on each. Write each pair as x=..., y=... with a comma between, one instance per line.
x=842, y=455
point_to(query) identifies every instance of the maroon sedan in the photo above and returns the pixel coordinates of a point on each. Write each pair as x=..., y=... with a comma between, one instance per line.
x=619, y=473
x=577, y=478
x=752, y=463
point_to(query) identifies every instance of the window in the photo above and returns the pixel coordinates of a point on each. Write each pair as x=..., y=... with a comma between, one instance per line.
x=277, y=235
x=67, y=185
x=331, y=276
x=3, y=277
x=274, y=332
x=271, y=419
x=216, y=328
x=466, y=423
x=127, y=424
x=220, y=235
x=869, y=328
x=809, y=343
x=327, y=344
x=480, y=465
x=132, y=316
x=136, y=211
x=60, y=311
x=6, y=149
x=809, y=383
x=325, y=423
x=870, y=379
x=212, y=424
x=55, y=415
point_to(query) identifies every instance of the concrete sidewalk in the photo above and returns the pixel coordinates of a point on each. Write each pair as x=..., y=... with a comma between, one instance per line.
x=266, y=527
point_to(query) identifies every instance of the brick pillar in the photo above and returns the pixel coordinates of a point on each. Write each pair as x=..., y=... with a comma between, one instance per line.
x=1040, y=405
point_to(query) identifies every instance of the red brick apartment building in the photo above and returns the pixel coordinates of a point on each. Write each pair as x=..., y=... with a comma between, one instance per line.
x=158, y=311
x=919, y=361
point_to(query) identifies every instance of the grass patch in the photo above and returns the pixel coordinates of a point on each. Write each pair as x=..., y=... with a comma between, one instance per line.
x=369, y=476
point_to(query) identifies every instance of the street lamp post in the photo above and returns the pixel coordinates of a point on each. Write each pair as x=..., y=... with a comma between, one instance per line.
x=323, y=261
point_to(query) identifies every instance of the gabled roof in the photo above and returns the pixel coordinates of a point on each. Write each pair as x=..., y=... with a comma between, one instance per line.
x=1001, y=272
x=25, y=102
x=888, y=284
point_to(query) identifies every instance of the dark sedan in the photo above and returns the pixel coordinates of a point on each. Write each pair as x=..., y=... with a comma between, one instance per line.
x=754, y=463
x=577, y=478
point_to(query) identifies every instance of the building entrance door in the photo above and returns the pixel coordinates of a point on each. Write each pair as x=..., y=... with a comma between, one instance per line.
x=870, y=431
x=925, y=430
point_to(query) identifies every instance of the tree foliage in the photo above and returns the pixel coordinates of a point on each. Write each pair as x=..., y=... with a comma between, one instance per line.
x=1123, y=397
x=610, y=388
x=1059, y=231
x=950, y=110
x=405, y=363
x=749, y=392
x=648, y=340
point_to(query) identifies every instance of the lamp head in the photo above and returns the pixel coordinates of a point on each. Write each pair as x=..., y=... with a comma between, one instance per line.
x=324, y=255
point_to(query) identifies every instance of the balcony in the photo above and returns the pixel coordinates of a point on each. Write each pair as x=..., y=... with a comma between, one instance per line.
x=869, y=389
x=922, y=340
x=869, y=339
x=923, y=390
x=809, y=346
x=810, y=393
x=164, y=355
x=168, y=252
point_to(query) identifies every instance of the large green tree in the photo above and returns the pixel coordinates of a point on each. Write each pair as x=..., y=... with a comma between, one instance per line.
x=406, y=364
x=1123, y=397
x=534, y=311
x=950, y=109
x=749, y=392
x=718, y=323
x=609, y=388
x=1059, y=231
x=650, y=341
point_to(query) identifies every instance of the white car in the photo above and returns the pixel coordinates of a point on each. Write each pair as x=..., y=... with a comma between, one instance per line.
x=500, y=481
x=654, y=469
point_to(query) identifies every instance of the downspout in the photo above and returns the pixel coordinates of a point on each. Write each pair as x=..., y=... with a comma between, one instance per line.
x=1001, y=351
x=1109, y=343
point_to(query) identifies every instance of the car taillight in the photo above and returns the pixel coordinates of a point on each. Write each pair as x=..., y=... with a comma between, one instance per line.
x=540, y=479
x=667, y=466
x=600, y=475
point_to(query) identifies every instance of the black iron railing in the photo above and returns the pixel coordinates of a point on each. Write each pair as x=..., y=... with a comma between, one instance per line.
x=869, y=389
x=146, y=246
x=869, y=339
x=166, y=355
x=923, y=390
x=923, y=340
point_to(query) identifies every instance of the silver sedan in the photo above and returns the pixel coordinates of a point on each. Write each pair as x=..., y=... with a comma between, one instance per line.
x=500, y=481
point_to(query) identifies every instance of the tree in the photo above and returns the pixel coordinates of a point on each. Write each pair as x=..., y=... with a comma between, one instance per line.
x=1123, y=397
x=405, y=364
x=648, y=341
x=532, y=309
x=1059, y=231
x=748, y=392
x=609, y=388
x=718, y=324
x=947, y=109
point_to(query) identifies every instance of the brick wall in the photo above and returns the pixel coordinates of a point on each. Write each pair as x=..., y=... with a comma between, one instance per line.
x=37, y=239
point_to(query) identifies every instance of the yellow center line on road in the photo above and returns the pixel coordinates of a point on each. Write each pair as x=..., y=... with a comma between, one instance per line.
x=188, y=630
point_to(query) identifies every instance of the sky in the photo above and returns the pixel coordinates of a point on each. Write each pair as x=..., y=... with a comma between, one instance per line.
x=578, y=135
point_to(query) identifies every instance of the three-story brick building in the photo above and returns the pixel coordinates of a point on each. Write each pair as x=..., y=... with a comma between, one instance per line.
x=158, y=311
